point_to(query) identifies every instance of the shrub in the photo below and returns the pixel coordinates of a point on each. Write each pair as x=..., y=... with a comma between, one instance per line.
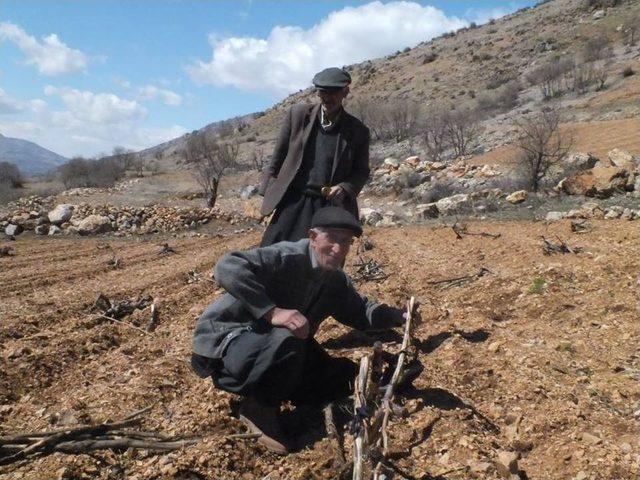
x=429, y=57
x=438, y=189
x=538, y=286
x=10, y=175
x=628, y=71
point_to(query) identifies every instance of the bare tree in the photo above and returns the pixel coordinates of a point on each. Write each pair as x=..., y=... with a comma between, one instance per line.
x=371, y=114
x=435, y=133
x=138, y=165
x=542, y=145
x=549, y=76
x=125, y=156
x=401, y=118
x=631, y=27
x=462, y=128
x=210, y=157
x=256, y=157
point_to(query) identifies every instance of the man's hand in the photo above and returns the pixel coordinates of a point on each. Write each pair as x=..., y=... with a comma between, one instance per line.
x=291, y=319
x=337, y=194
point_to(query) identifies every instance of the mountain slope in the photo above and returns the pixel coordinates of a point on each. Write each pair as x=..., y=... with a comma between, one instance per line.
x=29, y=157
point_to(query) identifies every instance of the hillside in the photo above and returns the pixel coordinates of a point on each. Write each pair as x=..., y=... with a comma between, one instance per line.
x=29, y=157
x=474, y=65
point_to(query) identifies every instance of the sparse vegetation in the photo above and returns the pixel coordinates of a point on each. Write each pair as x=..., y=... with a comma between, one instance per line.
x=628, y=71
x=210, y=156
x=538, y=286
x=10, y=175
x=82, y=172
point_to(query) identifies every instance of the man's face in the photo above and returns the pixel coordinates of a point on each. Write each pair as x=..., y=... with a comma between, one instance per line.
x=332, y=99
x=330, y=246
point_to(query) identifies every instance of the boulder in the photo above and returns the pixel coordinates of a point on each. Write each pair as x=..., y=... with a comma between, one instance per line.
x=414, y=160
x=554, y=216
x=622, y=159
x=627, y=214
x=42, y=229
x=13, y=229
x=517, y=197
x=613, y=212
x=453, y=204
x=591, y=210
x=599, y=182
x=426, y=210
x=248, y=192
x=579, y=161
x=55, y=230
x=598, y=14
x=61, y=214
x=370, y=216
x=94, y=224
x=391, y=163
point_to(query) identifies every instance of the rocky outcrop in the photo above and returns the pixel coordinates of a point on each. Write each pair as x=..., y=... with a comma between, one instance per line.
x=601, y=182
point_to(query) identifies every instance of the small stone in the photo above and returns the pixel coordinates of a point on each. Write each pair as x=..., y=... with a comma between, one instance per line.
x=13, y=229
x=517, y=197
x=507, y=463
x=590, y=438
x=554, y=216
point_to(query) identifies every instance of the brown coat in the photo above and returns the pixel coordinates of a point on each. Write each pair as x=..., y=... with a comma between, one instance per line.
x=350, y=164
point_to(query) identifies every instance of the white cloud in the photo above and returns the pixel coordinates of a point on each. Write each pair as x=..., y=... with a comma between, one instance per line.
x=88, y=124
x=50, y=56
x=9, y=105
x=287, y=59
x=150, y=92
x=97, y=108
x=481, y=15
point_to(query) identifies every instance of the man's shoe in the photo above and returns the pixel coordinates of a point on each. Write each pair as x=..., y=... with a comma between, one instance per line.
x=263, y=420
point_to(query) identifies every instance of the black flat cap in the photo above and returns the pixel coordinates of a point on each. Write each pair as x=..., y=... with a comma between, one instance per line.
x=336, y=217
x=331, y=79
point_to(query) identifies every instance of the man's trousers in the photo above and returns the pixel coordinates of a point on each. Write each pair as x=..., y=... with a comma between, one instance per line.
x=273, y=366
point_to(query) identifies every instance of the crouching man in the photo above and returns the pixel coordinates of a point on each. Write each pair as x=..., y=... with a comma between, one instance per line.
x=257, y=339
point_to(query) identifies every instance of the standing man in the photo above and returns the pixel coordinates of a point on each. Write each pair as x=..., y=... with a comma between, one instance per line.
x=321, y=158
x=257, y=339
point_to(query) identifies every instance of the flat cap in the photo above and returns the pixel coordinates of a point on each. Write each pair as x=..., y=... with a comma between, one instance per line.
x=336, y=217
x=331, y=78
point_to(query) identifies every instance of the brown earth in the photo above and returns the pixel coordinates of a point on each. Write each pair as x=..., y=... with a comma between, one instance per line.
x=538, y=357
x=598, y=138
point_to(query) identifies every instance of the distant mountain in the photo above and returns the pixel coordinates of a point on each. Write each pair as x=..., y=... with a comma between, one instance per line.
x=29, y=157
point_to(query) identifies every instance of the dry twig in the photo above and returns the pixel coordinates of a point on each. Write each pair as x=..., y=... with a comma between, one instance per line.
x=462, y=229
x=457, y=281
x=550, y=248
x=369, y=270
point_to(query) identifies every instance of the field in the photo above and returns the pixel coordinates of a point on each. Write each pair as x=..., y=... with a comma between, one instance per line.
x=537, y=357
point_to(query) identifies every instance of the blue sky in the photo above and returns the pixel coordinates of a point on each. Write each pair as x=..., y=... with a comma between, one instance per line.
x=81, y=77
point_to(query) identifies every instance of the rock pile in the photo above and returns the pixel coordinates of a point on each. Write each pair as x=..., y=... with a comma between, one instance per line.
x=593, y=210
x=619, y=173
x=39, y=214
x=418, y=176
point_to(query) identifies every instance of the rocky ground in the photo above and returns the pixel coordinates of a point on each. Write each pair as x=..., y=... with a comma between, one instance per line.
x=536, y=360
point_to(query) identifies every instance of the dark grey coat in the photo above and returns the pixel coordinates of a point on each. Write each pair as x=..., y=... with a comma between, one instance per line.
x=285, y=275
x=350, y=167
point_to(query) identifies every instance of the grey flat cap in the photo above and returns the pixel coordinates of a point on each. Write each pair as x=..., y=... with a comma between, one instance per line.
x=336, y=217
x=331, y=78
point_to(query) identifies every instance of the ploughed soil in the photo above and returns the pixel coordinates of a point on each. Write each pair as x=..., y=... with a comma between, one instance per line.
x=539, y=356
